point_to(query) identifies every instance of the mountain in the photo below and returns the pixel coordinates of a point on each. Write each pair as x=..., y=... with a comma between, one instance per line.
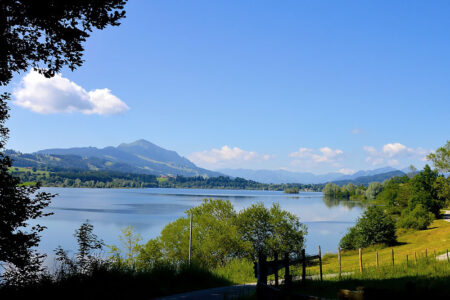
x=283, y=176
x=372, y=178
x=367, y=173
x=141, y=157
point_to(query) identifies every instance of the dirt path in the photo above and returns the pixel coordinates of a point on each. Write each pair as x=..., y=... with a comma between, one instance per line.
x=447, y=216
x=226, y=292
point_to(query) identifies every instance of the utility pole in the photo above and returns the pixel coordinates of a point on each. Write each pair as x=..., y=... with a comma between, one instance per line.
x=190, y=238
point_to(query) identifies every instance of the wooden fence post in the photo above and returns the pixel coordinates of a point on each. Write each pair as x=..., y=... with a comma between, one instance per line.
x=276, y=269
x=287, y=276
x=320, y=263
x=426, y=254
x=407, y=261
x=434, y=254
x=448, y=259
x=262, y=269
x=393, y=262
x=415, y=257
x=339, y=262
x=303, y=266
x=360, y=261
x=377, y=258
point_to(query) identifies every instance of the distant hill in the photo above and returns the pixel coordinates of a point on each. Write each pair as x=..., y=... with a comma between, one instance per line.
x=372, y=178
x=283, y=176
x=140, y=157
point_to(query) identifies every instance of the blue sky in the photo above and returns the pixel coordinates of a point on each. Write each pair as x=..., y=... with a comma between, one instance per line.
x=301, y=85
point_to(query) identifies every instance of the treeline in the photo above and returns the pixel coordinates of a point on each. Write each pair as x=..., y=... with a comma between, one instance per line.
x=225, y=182
x=111, y=179
x=353, y=192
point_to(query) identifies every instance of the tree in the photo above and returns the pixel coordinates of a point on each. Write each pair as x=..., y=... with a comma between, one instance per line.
x=441, y=158
x=127, y=254
x=85, y=260
x=48, y=35
x=418, y=218
x=331, y=190
x=215, y=238
x=423, y=191
x=374, y=227
x=87, y=242
x=270, y=231
x=45, y=35
x=18, y=205
x=373, y=190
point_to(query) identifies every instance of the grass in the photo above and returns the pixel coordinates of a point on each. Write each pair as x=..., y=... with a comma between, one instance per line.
x=428, y=279
x=436, y=238
x=25, y=170
x=120, y=284
x=238, y=271
x=162, y=179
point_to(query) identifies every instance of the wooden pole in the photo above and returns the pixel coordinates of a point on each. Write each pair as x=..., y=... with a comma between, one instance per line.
x=276, y=268
x=426, y=253
x=303, y=266
x=262, y=269
x=287, y=276
x=448, y=259
x=415, y=257
x=320, y=263
x=339, y=262
x=360, y=261
x=407, y=261
x=393, y=263
x=190, y=237
x=434, y=254
x=377, y=258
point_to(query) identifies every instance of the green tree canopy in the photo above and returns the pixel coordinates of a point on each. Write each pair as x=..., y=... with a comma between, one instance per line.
x=441, y=158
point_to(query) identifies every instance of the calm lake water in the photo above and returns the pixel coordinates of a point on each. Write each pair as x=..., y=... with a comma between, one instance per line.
x=149, y=210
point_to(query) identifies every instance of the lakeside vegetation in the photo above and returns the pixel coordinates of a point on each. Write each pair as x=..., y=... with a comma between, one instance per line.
x=57, y=177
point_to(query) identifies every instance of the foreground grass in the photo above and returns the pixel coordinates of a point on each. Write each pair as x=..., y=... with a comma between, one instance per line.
x=120, y=284
x=428, y=279
x=435, y=238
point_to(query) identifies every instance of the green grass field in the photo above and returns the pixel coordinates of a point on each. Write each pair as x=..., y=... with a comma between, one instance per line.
x=435, y=238
x=25, y=170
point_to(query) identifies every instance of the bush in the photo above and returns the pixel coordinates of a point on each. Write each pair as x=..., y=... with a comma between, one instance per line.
x=374, y=227
x=418, y=218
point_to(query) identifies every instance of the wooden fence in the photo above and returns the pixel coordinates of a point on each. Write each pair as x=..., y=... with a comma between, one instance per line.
x=392, y=259
x=264, y=268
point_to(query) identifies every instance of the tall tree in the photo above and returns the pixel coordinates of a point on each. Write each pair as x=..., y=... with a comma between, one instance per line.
x=441, y=158
x=45, y=35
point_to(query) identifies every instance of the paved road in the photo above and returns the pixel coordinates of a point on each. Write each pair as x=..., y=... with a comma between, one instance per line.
x=226, y=292
x=447, y=216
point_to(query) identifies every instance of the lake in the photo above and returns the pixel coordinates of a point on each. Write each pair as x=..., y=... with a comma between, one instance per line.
x=149, y=210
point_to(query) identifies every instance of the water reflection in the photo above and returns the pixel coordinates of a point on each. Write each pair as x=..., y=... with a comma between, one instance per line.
x=332, y=202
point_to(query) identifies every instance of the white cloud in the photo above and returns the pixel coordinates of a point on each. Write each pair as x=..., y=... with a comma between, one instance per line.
x=60, y=95
x=323, y=155
x=226, y=157
x=391, y=153
x=346, y=171
x=393, y=149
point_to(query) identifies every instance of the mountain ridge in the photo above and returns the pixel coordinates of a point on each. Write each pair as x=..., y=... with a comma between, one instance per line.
x=141, y=156
x=284, y=176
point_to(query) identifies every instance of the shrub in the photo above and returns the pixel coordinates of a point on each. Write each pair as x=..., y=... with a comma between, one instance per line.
x=374, y=227
x=418, y=218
